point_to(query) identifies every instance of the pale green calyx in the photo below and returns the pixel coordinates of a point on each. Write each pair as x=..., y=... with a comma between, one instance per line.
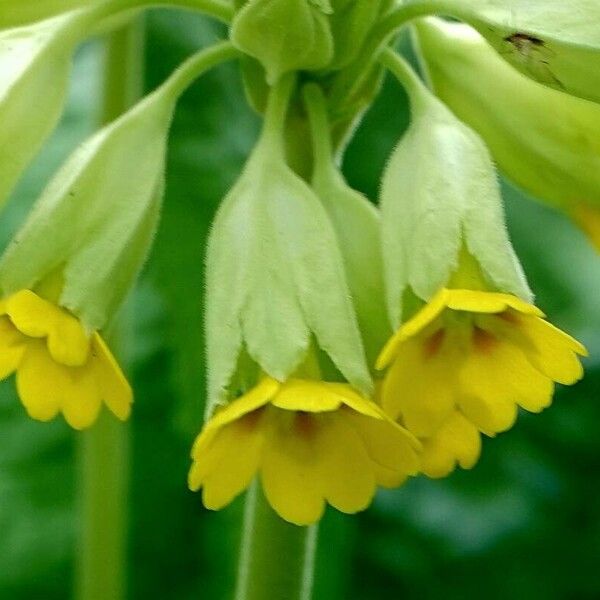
x=530, y=129
x=357, y=225
x=552, y=41
x=35, y=63
x=275, y=276
x=440, y=195
x=94, y=223
x=284, y=35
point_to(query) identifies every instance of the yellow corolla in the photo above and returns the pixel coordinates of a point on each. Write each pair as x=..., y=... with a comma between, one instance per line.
x=312, y=442
x=464, y=364
x=60, y=368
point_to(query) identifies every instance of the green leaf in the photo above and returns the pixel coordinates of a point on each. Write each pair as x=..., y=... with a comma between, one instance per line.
x=552, y=41
x=545, y=141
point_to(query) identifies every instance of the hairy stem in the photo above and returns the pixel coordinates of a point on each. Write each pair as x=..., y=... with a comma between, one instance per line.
x=104, y=449
x=276, y=558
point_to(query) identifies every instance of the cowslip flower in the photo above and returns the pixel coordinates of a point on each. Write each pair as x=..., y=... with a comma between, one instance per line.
x=470, y=346
x=311, y=442
x=59, y=366
x=70, y=267
x=465, y=362
x=279, y=305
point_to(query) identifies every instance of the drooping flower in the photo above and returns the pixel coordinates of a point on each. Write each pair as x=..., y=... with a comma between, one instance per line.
x=464, y=364
x=470, y=347
x=59, y=366
x=310, y=441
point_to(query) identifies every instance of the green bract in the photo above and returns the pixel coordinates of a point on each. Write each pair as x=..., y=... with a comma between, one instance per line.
x=284, y=35
x=544, y=140
x=35, y=63
x=439, y=196
x=275, y=278
x=556, y=42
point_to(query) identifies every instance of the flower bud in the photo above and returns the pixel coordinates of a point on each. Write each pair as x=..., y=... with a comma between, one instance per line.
x=284, y=35
x=440, y=203
x=552, y=41
x=544, y=141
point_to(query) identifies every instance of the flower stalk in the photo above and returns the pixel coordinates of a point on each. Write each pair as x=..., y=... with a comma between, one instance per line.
x=104, y=449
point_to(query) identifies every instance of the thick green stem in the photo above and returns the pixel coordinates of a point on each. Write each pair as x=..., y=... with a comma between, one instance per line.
x=276, y=558
x=104, y=449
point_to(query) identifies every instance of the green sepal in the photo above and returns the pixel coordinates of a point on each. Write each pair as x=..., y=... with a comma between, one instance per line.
x=557, y=43
x=440, y=193
x=96, y=219
x=357, y=225
x=530, y=129
x=284, y=35
x=275, y=278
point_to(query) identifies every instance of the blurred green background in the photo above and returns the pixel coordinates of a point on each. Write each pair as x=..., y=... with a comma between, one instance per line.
x=525, y=523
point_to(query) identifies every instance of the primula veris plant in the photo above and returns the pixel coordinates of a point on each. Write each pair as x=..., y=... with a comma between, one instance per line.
x=349, y=346
x=480, y=88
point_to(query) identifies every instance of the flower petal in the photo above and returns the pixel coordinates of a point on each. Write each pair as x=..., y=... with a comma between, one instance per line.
x=39, y=380
x=412, y=327
x=12, y=347
x=344, y=469
x=476, y=301
x=457, y=441
x=420, y=388
x=288, y=473
x=308, y=396
x=35, y=317
x=112, y=383
x=389, y=446
x=551, y=351
x=228, y=466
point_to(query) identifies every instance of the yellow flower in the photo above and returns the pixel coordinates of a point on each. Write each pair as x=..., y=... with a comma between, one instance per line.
x=312, y=442
x=464, y=363
x=59, y=367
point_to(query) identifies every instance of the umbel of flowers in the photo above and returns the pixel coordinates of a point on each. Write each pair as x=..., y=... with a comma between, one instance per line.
x=348, y=346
